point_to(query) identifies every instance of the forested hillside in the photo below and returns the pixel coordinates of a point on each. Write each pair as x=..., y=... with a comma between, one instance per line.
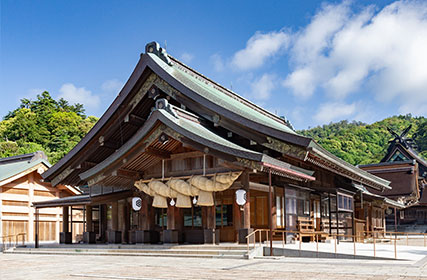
x=359, y=143
x=55, y=127
x=44, y=124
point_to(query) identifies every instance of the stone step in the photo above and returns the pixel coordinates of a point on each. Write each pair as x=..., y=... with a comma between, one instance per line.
x=152, y=253
x=136, y=251
x=139, y=247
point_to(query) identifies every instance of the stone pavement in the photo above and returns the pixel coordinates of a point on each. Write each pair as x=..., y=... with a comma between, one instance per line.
x=27, y=266
x=403, y=252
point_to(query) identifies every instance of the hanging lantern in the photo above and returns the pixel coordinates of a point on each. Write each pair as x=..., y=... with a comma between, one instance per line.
x=241, y=197
x=136, y=203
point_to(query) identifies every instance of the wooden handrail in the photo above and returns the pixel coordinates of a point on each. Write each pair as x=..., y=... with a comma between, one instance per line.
x=9, y=239
x=335, y=236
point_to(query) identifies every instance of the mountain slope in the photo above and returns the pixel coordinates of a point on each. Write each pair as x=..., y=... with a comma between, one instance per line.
x=359, y=143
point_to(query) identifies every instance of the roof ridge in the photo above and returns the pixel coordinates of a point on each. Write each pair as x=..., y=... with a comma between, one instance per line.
x=24, y=157
x=232, y=94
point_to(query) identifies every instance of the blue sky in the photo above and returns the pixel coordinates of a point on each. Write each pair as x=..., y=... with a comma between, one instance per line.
x=311, y=61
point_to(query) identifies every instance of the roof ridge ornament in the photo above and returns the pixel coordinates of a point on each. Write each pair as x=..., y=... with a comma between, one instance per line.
x=155, y=48
x=401, y=138
x=164, y=104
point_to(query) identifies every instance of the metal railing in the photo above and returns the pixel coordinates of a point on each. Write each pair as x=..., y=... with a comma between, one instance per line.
x=11, y=241
x=376, y=236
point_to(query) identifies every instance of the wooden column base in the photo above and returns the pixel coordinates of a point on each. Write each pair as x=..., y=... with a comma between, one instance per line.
x=243, y=232
x=114, y=236
x=211, y=236
x=170, y=236
x=144, y=236
x=65, y=238
x=89, y=237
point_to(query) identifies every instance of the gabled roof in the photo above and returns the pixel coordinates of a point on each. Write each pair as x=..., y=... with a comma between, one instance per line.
x=188, y=125
x=12, y=166
x=82, y=199
x=387, y=201
x=409, y=153
x=216, y=103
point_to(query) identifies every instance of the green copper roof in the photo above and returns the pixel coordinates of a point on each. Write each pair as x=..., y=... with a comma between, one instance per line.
x=191, y=129
x=8, y=170
x=224, y=98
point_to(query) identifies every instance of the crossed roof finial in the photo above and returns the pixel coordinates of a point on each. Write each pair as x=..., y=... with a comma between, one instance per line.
x=406, y=142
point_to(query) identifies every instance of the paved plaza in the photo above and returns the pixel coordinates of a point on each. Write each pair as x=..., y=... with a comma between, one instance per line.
x=27, y=266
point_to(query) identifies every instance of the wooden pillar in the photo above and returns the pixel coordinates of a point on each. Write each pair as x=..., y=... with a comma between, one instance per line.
x=210, y=217
x=179, y=219
x=57, y=220
x=285, y=222
x=127, y=211
x=89, y=226
x=143, y=214
x=236, y=217
x=171, y=217
x=247, y=206
x=330, y=213
x=71, y=221
x=30, y=208
x=336, y=215
x=103, y=221
x=114, y=216
x=384, y=222
x=1, y=211
x=353, y=222
x=395, y=219
x=37, y=229
x=65, y=219
x=270, y=214
x=151, y=216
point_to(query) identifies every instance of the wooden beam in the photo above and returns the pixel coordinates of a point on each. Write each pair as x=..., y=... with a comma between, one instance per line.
x=131, y=155
x=157, y=153
x=110, y=145
x=187, y=172
x=136, y=117
x=61, y=176
x=124, y=173
x=192, y=154
x=143, y=82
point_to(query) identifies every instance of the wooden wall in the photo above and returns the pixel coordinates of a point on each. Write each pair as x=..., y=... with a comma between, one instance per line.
x=17, y=215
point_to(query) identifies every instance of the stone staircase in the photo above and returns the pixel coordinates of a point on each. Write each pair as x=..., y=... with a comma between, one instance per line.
x=191, y=251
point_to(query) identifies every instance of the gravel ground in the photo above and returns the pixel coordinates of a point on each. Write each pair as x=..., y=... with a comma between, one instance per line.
x=27, y=266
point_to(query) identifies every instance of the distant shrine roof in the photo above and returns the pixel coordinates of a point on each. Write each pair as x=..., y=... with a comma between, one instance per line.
x=403, y=148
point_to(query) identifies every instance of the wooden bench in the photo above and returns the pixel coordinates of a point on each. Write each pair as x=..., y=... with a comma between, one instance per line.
x=306, y=228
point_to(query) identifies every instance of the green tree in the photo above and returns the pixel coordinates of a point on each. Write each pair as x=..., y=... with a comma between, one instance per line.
x=359, y=143
x=54, y=127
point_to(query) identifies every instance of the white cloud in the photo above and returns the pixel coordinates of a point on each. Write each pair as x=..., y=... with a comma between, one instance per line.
x=113, y=85
x=35, y=91
x=341, y=52
x=262, y=87
x=334, y=111
x=32, y=93
x=81, y=95
x=217, y=62
x=302, y=81
x=187, y=57
x=259, y=48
